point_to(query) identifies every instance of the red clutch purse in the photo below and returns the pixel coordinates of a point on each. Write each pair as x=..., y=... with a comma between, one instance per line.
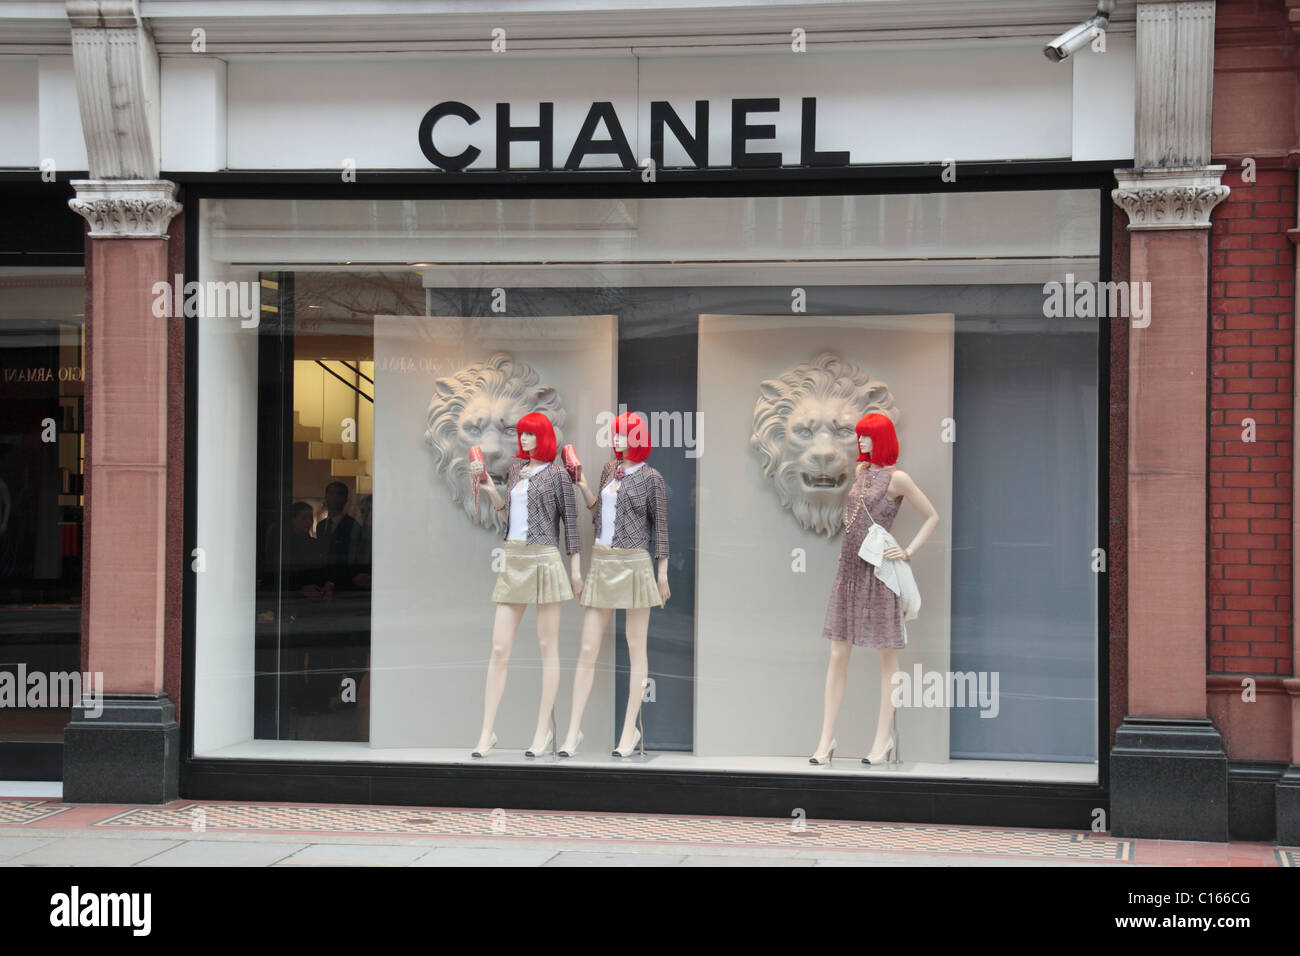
x=476, y=454
x=571, y=463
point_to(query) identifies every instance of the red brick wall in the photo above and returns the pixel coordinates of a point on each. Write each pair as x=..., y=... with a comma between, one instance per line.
x=1251, y=314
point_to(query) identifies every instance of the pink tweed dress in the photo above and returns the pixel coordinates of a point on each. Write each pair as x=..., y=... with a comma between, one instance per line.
x=862, y=610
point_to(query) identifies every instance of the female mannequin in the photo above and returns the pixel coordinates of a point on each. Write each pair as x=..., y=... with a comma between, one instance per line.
x=631, y=517
x=539, y=496
x=862, y=610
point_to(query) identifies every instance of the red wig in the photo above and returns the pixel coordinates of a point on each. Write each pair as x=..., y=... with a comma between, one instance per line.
x=638, y=436
x=539, y=426
x=884, y=440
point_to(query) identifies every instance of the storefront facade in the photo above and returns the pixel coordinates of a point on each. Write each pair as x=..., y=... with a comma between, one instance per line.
x=325, y=258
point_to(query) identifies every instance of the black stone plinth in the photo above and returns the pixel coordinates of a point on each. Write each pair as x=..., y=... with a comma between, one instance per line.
x=1288, y=807
x=1169, y=780
x=129, y=753
x=1252, y=800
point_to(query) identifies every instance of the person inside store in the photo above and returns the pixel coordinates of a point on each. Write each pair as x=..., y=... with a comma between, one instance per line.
x=303, y=562
x=360, y=551
x=335, y=531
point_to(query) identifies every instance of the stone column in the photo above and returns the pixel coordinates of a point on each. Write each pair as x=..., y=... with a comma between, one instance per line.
x=1168, y=766
x=130, y=751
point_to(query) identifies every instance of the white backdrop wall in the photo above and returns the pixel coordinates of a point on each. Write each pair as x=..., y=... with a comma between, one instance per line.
x=760, y=657
x=224, y=502
x=431, y=622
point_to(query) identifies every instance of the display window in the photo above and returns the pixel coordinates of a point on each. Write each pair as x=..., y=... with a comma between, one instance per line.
x=42, y=499
x=759, y=484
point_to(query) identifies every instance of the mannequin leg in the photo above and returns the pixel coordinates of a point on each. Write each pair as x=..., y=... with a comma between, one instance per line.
x=836, y=677
x=888, y=667
x=504, y=626
x=637, y=625
x=594, y=624
x=548, y=640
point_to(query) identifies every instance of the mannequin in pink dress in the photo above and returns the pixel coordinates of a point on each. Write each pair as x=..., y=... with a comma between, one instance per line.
x=862, y=611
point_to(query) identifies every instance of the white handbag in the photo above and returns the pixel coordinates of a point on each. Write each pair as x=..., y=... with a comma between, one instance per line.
x=894, y=574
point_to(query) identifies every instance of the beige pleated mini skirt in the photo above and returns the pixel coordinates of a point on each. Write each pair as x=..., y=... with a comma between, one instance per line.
x=620, y=578
x=532, y=574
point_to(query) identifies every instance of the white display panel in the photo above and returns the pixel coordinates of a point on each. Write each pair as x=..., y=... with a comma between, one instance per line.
x=432, y=613
x=224, y=591
x=760, y=657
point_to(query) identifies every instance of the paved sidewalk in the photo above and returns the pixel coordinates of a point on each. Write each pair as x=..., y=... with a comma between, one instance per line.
x=37, y=829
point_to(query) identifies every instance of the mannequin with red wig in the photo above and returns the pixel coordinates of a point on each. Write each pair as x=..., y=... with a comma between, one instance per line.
x=538, y=507
x=862, y=610
x=630, y=512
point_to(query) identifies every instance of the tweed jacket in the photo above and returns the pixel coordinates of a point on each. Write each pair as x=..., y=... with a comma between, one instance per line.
x=550, y=502
x=641, y=512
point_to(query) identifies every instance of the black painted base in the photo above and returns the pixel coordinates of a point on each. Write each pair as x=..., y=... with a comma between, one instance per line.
x=31, y=760
x=1169, y=780
x=129, y=753
x=1288, y=807
x=557, y=787
x=1252, y=800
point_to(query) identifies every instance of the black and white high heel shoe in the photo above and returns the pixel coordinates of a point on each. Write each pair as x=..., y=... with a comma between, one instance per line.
x=888, y=756
x=550, y=737
x=823, y=760
x=891, y=756
x=574, y=751
x=639, y=739
x=486, y=750
x=632, y=749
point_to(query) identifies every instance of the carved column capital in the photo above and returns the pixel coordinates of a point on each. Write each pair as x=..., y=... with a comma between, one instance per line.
x=126, y=208
x=1170, y=198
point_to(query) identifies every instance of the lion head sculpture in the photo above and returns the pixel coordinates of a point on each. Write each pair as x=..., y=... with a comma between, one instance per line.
x=804, y=432
x=479, y=405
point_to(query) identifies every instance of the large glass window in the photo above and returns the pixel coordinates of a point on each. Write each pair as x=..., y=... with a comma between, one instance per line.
x=42, y=457
x=361, y=595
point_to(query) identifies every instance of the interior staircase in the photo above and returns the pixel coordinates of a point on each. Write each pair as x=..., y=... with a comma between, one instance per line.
x=316, y=463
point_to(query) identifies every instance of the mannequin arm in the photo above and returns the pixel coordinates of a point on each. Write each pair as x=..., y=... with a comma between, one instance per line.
x=587, y=495
x=490, y=487
x=664, y=593
x=902, y=483
x=575, y=573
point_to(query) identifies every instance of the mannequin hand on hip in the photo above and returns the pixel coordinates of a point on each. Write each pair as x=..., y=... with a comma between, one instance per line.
x=898, y=554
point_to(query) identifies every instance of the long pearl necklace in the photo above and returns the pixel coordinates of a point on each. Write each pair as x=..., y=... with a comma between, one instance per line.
x=871, y=480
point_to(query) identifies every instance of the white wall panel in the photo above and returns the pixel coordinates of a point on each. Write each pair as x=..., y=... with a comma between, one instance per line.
x=19, y=111
x=193, y=113
x=61, y=138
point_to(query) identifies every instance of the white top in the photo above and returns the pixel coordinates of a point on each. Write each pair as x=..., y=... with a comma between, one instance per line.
x=608, y=502
x=519, y=511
